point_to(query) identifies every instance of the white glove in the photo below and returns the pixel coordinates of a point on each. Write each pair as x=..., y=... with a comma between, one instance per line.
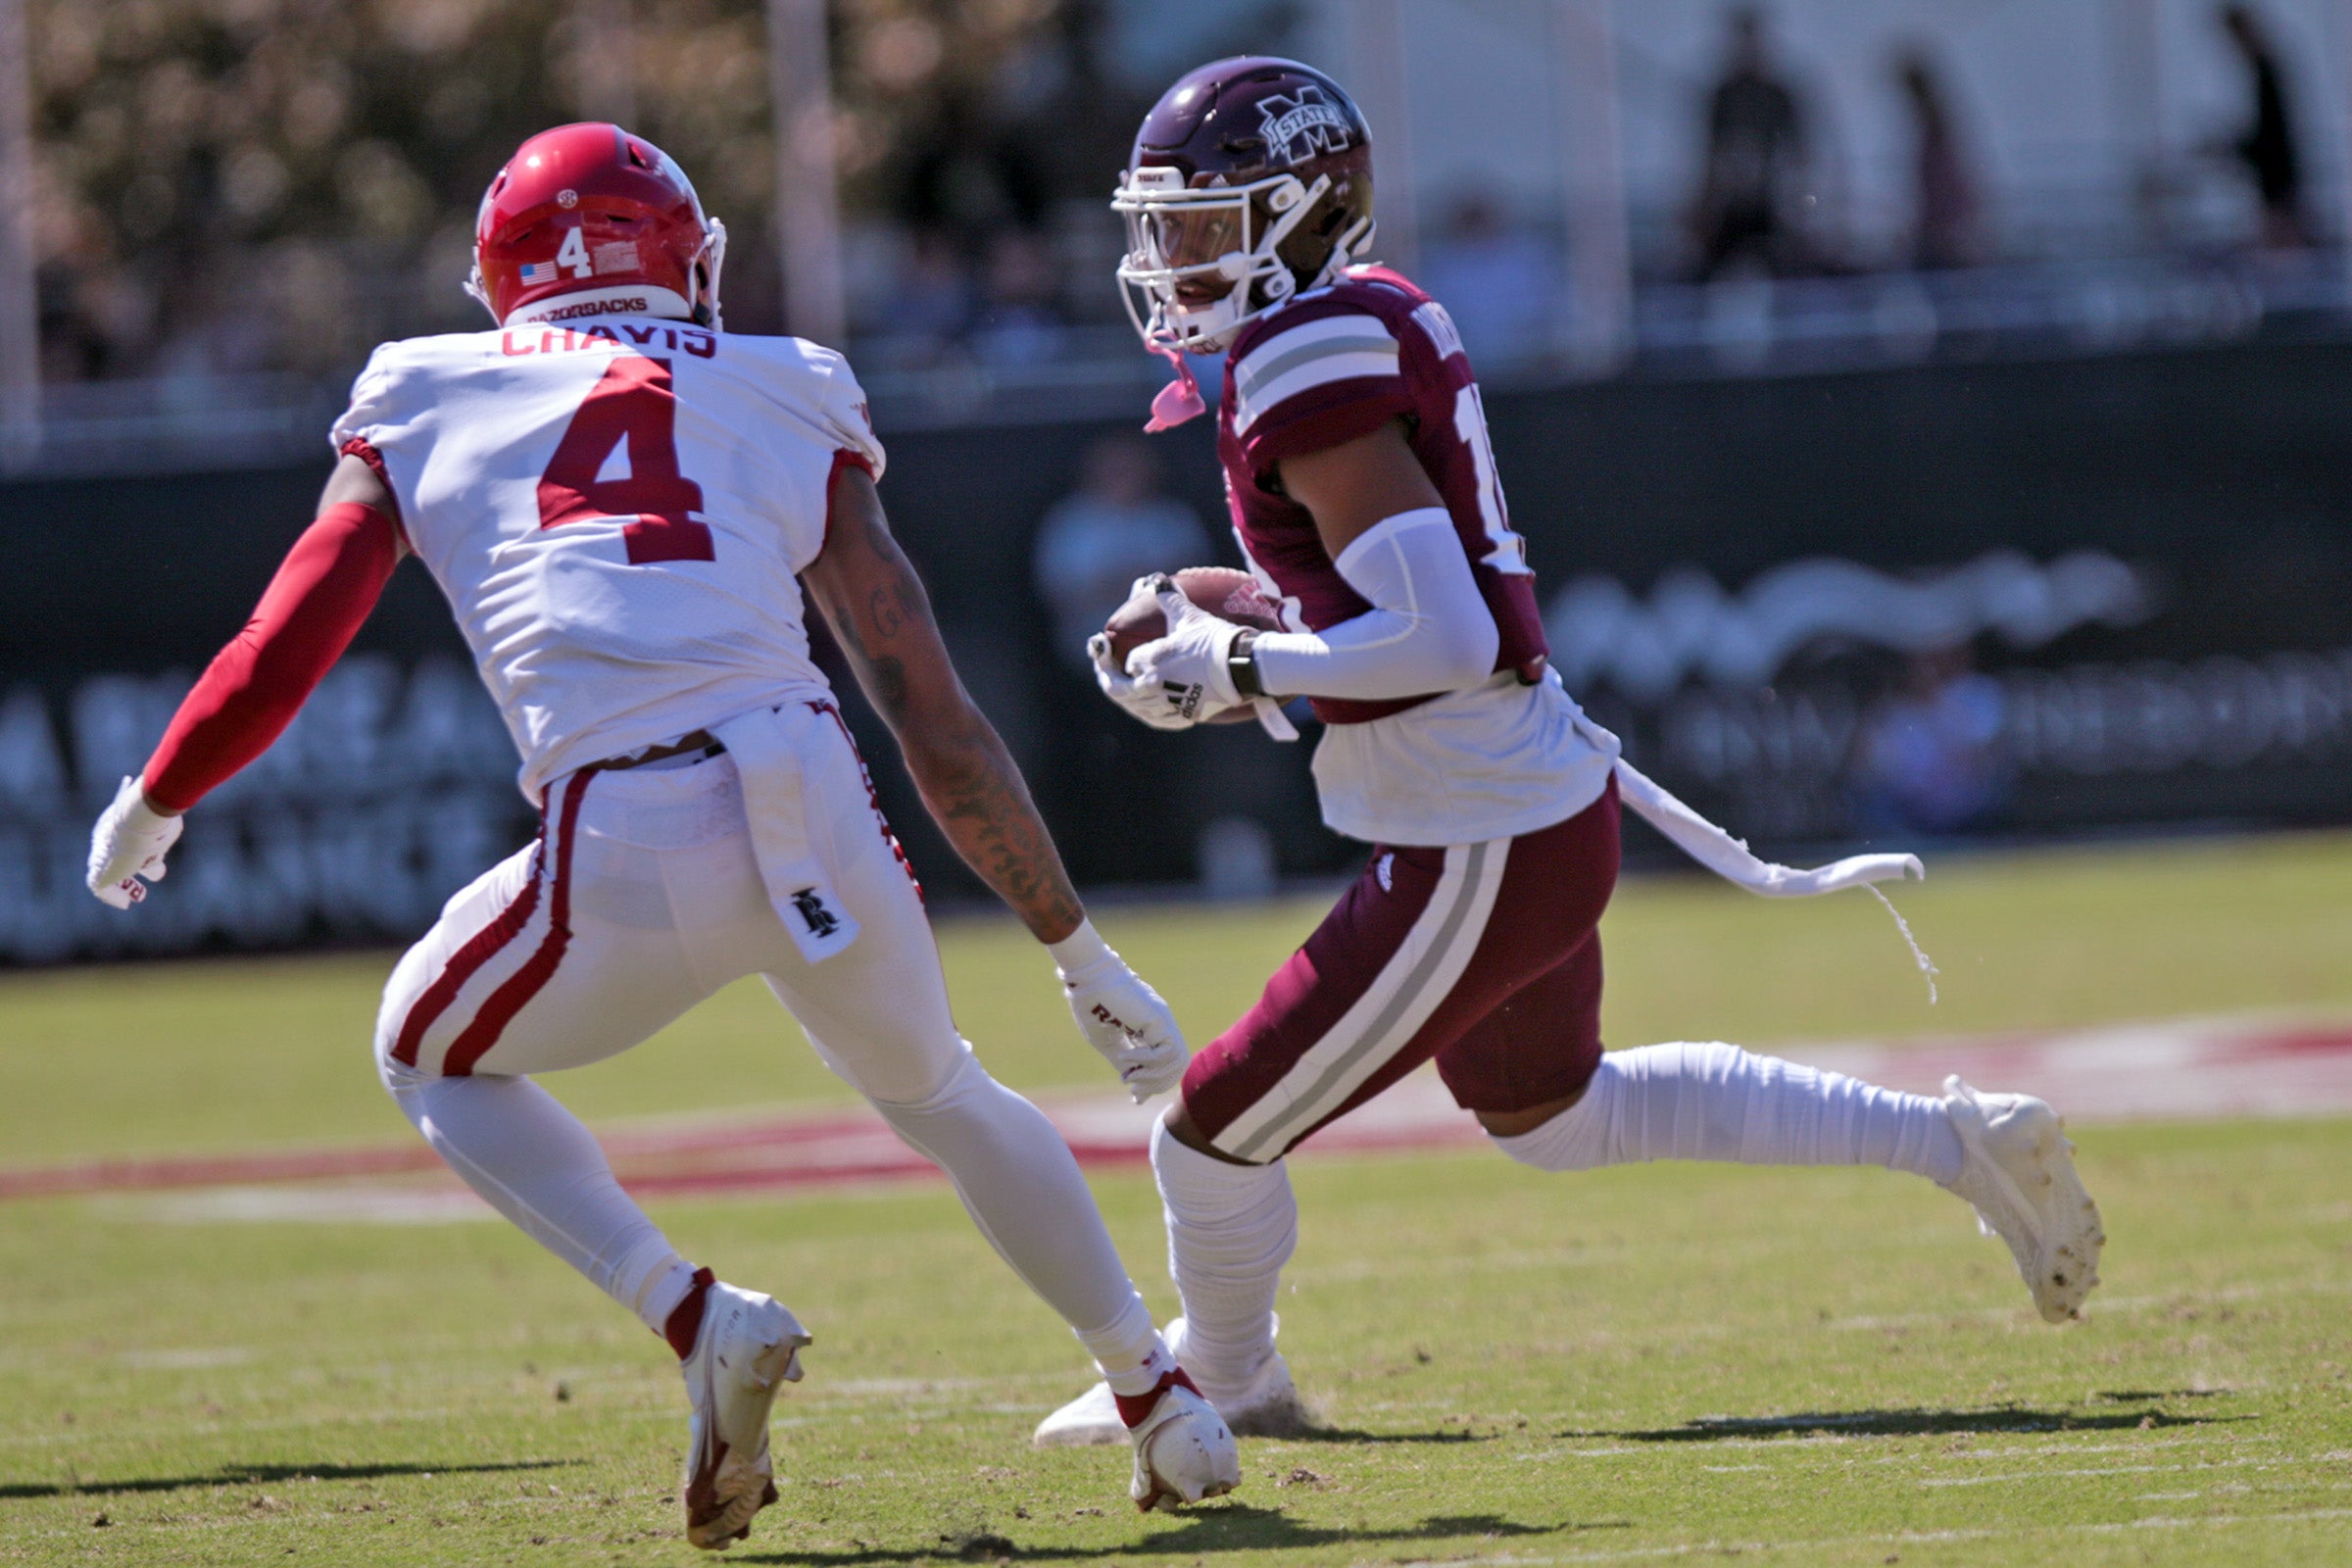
x=1121, y=1016
x=128, y=843
x=1145, y=701
x=1187, y=666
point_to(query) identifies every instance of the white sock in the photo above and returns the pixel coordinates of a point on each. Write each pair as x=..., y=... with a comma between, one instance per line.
x=1230, y=1230
x=530, y=1159
x=1022, y=1188
x=1711, y=1101
x=1115, y=1349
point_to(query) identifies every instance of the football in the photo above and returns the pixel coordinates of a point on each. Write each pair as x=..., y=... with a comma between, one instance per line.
x=1220, y=590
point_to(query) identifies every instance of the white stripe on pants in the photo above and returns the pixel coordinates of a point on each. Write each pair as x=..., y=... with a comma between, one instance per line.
x=666, y=906
x=1391, y=1012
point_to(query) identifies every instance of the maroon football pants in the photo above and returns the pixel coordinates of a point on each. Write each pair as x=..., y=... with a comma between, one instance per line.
x=1486, y=957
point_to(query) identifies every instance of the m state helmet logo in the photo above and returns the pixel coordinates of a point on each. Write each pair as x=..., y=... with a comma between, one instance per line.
x=1301, y=127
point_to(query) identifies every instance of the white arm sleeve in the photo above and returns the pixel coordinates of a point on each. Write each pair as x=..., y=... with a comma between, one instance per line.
x=1429, y=629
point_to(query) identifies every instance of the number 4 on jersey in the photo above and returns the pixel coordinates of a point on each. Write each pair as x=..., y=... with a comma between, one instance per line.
x=632, y=402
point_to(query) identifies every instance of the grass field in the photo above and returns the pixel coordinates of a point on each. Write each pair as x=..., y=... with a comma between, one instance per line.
x=1649, y=1363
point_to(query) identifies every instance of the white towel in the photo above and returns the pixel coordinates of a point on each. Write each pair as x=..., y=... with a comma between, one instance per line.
x=773, y=749
x=1729, y=858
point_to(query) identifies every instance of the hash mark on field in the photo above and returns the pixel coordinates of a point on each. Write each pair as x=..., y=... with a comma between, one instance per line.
x=195, y=1360
x=2010, y=1450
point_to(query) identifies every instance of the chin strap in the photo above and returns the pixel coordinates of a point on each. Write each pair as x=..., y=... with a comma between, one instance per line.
x=1180, y=399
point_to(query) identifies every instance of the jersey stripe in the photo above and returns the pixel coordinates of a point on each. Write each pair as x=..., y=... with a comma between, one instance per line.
x=1339, y=348
x=1317, y=372
x=1331, y=335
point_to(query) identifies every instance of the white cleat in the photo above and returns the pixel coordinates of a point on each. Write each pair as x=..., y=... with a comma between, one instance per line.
x=749, y=1344
x=1183, y=1450
x=1091, y=1420
x=2021, y=1177
x=1267, y=1405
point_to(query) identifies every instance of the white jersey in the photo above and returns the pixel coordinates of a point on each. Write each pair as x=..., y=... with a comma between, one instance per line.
x=618, y=516
x=1492, y=761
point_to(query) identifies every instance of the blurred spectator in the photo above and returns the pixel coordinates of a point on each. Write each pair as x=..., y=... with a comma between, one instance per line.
x=1947, y=218
x=1020, y=324
x=1932, y=757
x=1113, y=528
x=1748, y=215
x=1497, y=281
x=930, y=302
x=2266, y=146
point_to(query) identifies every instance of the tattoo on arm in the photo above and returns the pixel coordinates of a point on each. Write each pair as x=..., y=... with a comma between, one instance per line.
x=876, y=606
x=980, y=801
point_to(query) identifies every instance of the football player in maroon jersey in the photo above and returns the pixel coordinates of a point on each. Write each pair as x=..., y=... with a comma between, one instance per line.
x=1365, y=496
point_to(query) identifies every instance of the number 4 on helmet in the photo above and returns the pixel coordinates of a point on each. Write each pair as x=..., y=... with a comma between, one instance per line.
x=591, y=202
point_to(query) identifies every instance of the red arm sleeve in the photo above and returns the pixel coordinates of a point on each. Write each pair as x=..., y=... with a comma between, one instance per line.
x=308, y=615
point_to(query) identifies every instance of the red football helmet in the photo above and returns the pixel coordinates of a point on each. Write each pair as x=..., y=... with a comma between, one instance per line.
x=601, y=218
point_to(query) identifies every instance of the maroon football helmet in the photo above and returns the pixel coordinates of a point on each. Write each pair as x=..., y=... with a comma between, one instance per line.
x=1251, y=182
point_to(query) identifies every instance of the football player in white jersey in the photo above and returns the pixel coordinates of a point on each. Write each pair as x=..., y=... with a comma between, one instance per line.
x=1365, y=497
x=617, y=498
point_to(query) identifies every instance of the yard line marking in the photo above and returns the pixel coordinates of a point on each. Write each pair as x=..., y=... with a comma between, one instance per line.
x=1924, y=1538
x=2183, y=1069
x=2121, y=1303
x=2104, y=1470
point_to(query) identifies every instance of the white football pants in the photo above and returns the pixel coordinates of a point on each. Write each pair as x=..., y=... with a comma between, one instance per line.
x=643, y=897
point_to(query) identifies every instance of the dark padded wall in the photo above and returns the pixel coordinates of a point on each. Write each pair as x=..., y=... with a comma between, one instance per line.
x=2227, y=470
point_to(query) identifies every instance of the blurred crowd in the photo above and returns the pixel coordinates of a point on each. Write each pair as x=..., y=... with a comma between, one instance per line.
x=1759, y=206
x=235, y=185
x=1769, y=196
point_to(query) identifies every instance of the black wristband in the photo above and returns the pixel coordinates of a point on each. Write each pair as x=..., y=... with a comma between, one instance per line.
x=1241, y=662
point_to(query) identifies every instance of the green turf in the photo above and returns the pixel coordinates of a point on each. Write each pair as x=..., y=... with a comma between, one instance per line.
x=1806, y=1367
x=131, y=1060
x=1643, y=1364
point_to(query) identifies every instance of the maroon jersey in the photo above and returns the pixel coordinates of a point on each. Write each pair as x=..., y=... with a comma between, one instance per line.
x=1337, y=364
